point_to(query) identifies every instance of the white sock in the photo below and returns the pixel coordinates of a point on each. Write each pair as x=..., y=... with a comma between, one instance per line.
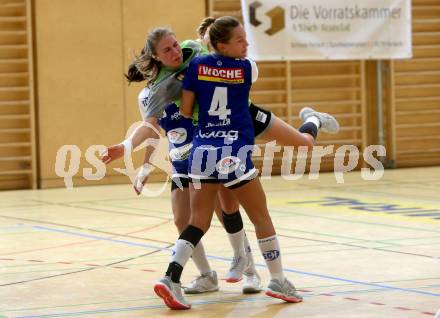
x=182, y=252
x=270, y=248
x=237, y=243
x=249, y=255
x=200, y=260
x=314, y=120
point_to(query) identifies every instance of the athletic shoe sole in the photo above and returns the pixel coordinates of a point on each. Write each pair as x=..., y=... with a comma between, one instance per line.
x=281, y=296
x=233, y=280
x=193, y=291
x=251, y=290
x=163, y=292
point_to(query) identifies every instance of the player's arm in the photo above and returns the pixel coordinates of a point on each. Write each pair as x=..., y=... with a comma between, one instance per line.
x=188, y=91
x=144, y=171
x=187, y=104
x=149, y=129
x=254, y=70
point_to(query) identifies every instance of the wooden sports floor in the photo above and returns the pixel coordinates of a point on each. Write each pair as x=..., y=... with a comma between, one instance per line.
x=363, y=249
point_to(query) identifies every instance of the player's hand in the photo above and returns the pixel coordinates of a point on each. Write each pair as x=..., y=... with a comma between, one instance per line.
x=141, y=178
x=112, y=153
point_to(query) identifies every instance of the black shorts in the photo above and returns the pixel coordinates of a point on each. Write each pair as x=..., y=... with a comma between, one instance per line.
x=178, y=182
x=261, y=119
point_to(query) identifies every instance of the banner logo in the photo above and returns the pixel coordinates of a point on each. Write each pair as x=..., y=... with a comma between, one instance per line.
x=276, y=16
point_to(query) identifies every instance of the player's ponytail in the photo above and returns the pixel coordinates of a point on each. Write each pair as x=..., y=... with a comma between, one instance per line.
x=133, y=74
x=204, y=25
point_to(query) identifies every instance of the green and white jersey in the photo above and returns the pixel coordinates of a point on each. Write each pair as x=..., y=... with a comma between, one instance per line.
x=167, y=86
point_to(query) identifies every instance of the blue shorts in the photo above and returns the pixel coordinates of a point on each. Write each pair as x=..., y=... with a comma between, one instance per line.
x=230, y=165
x=180, y=169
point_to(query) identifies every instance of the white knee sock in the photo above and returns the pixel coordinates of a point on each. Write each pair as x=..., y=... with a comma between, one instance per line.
x=182, y=252
x=237, y=243
x=200, y=260
x=270, y=248
x=249, y=255
x=315, y=120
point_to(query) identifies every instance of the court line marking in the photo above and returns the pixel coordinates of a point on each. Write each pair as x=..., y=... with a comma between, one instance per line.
x=271, y=210
x=278, y=209
x=83, y=270
x=383, y=249
x=158, y=217
x=223, y=292
x=127, y=234
x=213, y=302
x=356, y=282
x=159, y=306
x=353, y=291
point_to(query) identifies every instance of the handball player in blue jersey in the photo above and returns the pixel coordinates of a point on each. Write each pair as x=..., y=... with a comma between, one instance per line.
x=162, y=64
x=221, y=153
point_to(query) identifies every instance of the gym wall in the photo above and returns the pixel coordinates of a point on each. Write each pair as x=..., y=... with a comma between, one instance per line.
x=82, y=50
x=61, y=83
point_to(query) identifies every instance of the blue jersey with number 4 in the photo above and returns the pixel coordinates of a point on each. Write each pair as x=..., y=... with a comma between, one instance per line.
x=221, y=85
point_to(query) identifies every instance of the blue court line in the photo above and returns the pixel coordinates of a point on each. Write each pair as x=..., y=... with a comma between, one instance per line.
x=100, y=238
x=408, y=290
x=161, y=306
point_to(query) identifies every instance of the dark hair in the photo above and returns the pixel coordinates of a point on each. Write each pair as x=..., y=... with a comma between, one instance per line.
x=220, y=31
x=204, y=25
x=133, y=74
x=144, y=66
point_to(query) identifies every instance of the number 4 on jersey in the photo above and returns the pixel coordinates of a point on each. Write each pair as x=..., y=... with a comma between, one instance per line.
x=219, y=103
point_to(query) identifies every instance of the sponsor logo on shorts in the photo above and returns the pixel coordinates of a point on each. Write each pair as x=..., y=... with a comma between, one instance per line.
x=271, y=255
x=177, y=135
x=181, y=153
x=228, y=165
x=261, y=117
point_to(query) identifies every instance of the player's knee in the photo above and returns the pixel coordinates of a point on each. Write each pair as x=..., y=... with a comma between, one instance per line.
x=180, y=222
x=181, y=218
x=309, y=141
x=229, y=206
x=200, y=223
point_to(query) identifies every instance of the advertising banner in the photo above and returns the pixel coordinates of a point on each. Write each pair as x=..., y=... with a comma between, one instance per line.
x=328, y=30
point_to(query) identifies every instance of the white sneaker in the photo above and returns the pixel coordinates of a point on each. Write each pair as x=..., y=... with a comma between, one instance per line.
x=171, y=293
x=252, y=283
x=238, y=266
x=283, y=290
x=203, y=284
x=329, y=124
